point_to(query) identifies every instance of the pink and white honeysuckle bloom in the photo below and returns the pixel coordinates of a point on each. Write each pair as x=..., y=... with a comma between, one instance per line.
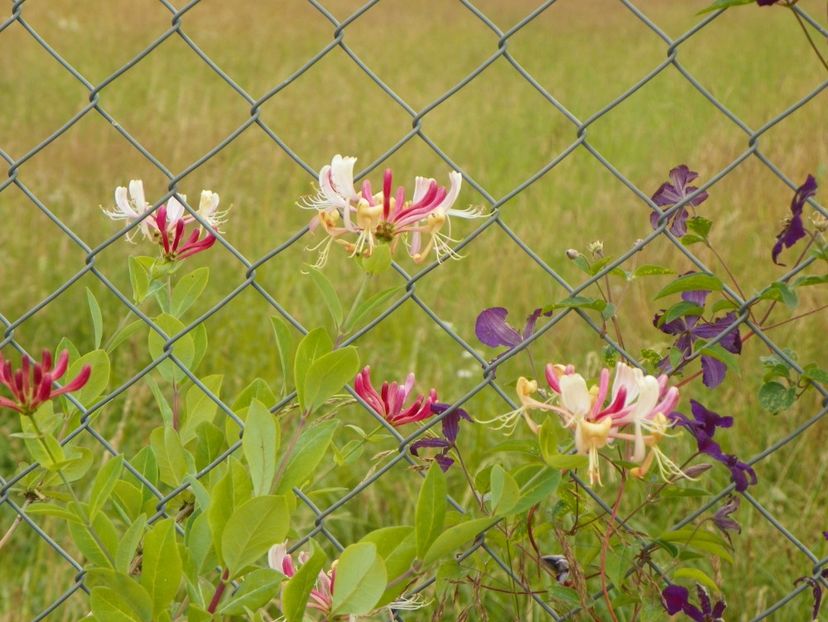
x=389, y=403
x=384, y=217
x=321, y=596
x=130, y=206
x=598, y=414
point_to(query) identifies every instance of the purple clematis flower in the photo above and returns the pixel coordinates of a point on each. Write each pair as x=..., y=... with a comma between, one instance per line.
x=794, y=229
x=702, y=427
x=451, y=428
x=677, y=599
x=493, y=330
x=722, y=518
x=671, y=193
x=689, y=328
x=766, y=2
x=816, y=590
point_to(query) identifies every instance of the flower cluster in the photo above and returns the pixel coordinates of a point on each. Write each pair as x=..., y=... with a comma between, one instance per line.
x=360, y=220
x=389, y=402
x=676, y=598
x=166, y=227
x=599, y=415
x=689, y=328
x=32, y=385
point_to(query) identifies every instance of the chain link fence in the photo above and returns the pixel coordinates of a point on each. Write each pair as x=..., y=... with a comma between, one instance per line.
x=580, y=140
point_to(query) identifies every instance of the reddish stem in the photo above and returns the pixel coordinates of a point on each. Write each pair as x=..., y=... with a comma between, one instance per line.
x=222, y=585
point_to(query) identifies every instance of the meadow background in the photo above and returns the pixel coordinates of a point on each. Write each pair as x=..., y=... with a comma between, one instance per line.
x=497, y=128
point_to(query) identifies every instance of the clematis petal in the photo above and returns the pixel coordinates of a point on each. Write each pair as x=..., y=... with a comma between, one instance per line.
x=675, y=598
x=713, y=371
x=492, y=329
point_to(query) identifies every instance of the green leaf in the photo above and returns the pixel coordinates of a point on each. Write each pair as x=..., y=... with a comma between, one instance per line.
x=696, y=575
x=379, y=261
x=781, y=292
x=398, y=547
x=199, y=406
x=187, y=290
x=328, y=374
x=105, y=481
x=651, y=270
x=128, y=544
x=699, y=539
x=581, y=302
x=97, y=317
x=121, y=605
x=183, y=348
x=680, y=309
x=618, y=562
x=169, y=454
x=121, y=335
x=285, y=347
x=700, y=226
x=775, y=397
x=259, y=445
x=723, y=305
x=161, y=400
x=252, y=529
x=161, y=566
x=455, y=537
x=431, y=509
x=97, y=550
x=328, y=295
x=811, y=279
x=541, y=487
x=231, y=491
x=315, y=344
x=298, y=588
x=360, y=580
x=504, y=490
x=815, y=373
x=198, y=543
x=692, y=282
x=52, y=509
x=309, y=452
x=210, y=443
x=98, y=360
x=257, y=589
x=140, y=278
x=368, y=305
x=723, y=4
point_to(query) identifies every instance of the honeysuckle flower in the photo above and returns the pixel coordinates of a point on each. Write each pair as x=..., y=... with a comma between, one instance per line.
x=676, y=598
x=360, y=220
x=525, y=389
x=208, y=210
x=172, y=242
x=389, y=403
x=794, y=230
x=321, y=596
x=31, y=385
x=598, y=415
x=130, y=206
x=689, y=328
x=669, y=194
x=493, y=330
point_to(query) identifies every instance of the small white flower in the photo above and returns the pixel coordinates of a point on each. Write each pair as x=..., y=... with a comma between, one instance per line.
x=209, y=211
x=131, y=205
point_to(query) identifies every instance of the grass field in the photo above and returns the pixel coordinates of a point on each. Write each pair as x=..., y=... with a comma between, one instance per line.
x=497, y=128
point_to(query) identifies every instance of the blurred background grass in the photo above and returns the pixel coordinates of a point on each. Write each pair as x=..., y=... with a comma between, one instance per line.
x=497, y=128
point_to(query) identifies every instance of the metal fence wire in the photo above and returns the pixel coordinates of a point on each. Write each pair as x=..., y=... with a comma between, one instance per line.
x=580, y=140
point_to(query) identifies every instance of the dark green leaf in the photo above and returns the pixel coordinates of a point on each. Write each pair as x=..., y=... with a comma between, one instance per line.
x=775, y=397
x=691, y=282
